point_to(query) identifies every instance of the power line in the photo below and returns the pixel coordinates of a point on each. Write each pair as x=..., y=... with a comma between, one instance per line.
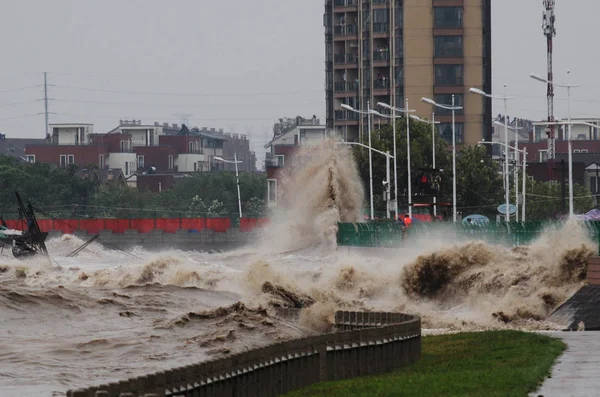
x=19, y=89
x=166, y=118
x=25, y=116
x=188, y=95
x=184, y=105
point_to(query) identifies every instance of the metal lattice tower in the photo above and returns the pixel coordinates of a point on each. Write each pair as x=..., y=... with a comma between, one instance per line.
x=550, y=31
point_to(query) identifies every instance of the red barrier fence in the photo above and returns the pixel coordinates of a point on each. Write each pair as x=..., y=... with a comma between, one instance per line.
x=167, y=225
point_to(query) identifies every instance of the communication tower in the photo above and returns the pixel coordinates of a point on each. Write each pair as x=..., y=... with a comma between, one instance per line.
x=550, y=31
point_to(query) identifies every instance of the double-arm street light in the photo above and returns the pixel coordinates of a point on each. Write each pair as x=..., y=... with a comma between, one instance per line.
x=505, y=99
x=453, y=108
x=393, y=117
x=516, y=129
x=237, y=177
x=568, y=87
x=369, y=112
x=569, y=123
x=524, y=152
x=433, y=123
x=387, y=167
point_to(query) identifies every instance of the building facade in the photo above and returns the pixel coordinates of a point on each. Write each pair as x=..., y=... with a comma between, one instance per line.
x=281, y=149
x=132, y=147
x=391, y=50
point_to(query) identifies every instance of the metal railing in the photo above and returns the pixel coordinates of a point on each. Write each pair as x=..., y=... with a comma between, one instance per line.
x=391, y=234
x=365, y=343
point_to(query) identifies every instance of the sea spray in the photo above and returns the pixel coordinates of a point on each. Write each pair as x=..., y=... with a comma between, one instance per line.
x=319, y=187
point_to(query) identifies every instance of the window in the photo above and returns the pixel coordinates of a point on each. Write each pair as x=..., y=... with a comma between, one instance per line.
x=445, y=132
x=127, y=168
x=543, y=155
x=594, y=184
x=170, y=162
x=446, y=99
x=30, y=158
x=272, y=190
x=449, y=46
x=576, y=151
x=140, y=162
x=191, y=147
x=101, y=161
x=63, y=160
x=448, y=17
x=195, y=165
x=123, y=146
x=71, y=159
x=448, y=75
x=280, y=160
x=584, y=151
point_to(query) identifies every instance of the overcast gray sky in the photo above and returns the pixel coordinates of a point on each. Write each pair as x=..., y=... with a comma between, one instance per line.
x=237, y=64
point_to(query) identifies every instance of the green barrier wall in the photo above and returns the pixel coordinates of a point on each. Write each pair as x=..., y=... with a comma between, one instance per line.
x=390, y=234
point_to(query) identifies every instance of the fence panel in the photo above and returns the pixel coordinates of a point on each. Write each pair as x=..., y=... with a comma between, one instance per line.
x=91, y=226
x=391, y=234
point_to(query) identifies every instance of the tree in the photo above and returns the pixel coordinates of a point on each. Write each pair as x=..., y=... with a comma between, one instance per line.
x=544, y=200
x=254, y=207
x=421, y=157
x=479, y=186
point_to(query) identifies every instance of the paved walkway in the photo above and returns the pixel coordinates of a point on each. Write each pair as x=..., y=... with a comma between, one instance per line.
x=577, y=371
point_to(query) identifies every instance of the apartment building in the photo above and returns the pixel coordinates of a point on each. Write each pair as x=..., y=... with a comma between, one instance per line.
x=131, y=147
x=389, y=50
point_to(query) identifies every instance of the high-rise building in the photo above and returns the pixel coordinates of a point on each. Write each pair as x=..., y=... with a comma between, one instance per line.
x=389, y=50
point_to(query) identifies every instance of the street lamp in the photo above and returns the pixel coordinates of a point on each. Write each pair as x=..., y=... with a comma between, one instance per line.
x=516, y=129
x=517, y=150
x=568, y=87
x=504, y=98
x=393, y=117
x=237, y=177
x=453, y=108
x=387, y=166
x=569, y=123
x=433, y=124
x=369, y=112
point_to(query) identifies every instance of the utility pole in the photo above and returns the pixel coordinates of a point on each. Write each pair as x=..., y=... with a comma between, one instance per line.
x=550, y=31
x=46, y=100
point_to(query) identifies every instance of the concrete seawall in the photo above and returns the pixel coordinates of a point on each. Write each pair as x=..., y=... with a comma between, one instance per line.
x=204, y=240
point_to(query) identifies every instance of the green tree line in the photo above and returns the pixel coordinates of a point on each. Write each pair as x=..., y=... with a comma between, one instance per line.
x=479, y=184
x=61, y=192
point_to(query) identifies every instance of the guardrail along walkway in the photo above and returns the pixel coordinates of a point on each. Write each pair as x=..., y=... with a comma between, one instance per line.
x=364, y=343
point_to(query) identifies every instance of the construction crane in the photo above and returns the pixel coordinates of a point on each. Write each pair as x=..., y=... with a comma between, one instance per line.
x=550, y=31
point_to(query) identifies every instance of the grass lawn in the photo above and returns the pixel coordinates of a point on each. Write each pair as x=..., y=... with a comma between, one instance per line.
x=497, y=363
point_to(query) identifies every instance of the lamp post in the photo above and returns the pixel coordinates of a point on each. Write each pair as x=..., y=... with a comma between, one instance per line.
x=505, y=99
x=433, y=124
x=237, y=177
x=453, y=108
x=368, y=113
x=387, y=166
x=568, y=87
x=393, y=117
x=517, y=150
x=516, y=174
x=569, y=123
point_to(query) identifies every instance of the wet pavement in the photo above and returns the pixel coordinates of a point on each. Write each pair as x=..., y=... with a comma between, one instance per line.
x=577, y=372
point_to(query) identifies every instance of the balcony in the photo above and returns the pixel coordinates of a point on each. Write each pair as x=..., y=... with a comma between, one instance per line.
x=343, y=86
x=345, y=3
x=346, y=30
x=381, y=28
x=274, y=162
x=381, y=55
x=346, y=58
x=381, y=84
x=346, y=115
